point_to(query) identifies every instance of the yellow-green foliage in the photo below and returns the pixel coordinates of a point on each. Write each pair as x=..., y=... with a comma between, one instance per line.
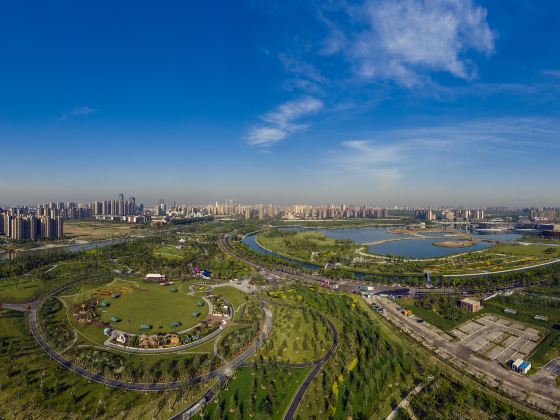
x=335, y=389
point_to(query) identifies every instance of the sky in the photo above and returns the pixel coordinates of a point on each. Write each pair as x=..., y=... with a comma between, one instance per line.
x=377, y=102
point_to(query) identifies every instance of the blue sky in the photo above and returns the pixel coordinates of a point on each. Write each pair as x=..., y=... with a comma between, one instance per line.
x=375, y=102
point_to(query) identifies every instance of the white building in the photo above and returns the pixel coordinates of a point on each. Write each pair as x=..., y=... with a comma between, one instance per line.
x=155, y=277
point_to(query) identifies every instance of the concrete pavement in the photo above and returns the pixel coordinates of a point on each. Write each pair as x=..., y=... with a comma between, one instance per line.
x=538, y=389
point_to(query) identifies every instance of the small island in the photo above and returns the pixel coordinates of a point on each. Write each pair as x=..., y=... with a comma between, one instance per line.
x=455, y=244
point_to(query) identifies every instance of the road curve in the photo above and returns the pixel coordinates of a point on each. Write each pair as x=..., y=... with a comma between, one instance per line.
x=221, y=371
x=303, y=388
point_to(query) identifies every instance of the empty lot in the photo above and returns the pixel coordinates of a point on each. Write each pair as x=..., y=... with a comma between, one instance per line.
x=498, y=338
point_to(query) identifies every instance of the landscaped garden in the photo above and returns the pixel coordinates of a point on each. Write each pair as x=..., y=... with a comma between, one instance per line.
x=317, y=248
x=131, y=305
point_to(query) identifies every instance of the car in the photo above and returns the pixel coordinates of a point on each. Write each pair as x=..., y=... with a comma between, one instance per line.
x=420, y=321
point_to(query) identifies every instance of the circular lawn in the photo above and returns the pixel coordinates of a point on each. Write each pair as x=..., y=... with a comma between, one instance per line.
x=164, y=308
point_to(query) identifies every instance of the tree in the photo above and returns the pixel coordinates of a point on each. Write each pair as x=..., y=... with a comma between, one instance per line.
x=265, y=405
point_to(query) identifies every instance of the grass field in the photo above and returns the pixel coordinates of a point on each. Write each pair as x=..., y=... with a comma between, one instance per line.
x=536, y=250
x=169, y=252
x=94, y=230
x=266, y=391
x=432, y=317
x=235, y=296
x=9, y=327
x=297, y=336
x=19, y=289
x=142, y=303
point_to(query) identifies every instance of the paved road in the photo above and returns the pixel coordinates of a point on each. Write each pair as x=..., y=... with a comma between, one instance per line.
x=350, y=285
x=303, y=388
x=536, y=384
x=20, y=307
x=196, y=406
x=181, y=347
x=225, y=370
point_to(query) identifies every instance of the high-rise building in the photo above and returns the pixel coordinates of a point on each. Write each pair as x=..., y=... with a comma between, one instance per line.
x=29, y=227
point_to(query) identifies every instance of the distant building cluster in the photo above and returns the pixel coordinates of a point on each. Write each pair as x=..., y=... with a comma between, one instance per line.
x=270, y=211
x=68, y=211
x=20, y=226
x=342, y=211
x=450, y=215
x=228, y=208
x=547, y=214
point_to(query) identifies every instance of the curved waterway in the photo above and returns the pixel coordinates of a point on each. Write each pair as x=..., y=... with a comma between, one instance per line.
x=403, y=245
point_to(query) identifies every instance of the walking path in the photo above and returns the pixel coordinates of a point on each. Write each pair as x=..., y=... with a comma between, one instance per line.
x=291, y=411
x=405, y=403
x=224, y=370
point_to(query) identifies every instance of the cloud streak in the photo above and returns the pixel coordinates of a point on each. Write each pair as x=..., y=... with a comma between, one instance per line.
x=396, y=153
x=277, y=125
x=78, y=111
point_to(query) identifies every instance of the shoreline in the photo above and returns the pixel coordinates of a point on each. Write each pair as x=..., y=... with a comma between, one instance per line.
x=454, y=244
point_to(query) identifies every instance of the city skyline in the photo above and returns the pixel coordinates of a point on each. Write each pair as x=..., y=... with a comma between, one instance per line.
x=365, y=102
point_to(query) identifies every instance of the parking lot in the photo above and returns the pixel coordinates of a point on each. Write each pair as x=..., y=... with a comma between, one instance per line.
x=553, y=367
x=498, y=338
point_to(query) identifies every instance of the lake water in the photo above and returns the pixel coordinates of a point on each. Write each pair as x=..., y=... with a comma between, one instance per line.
x=406, y=247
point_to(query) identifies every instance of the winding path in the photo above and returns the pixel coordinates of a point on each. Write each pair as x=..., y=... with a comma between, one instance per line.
x=290, y=412
x=225, y=370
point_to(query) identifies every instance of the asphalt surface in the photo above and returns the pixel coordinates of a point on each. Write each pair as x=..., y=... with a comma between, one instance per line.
x=553, y=366
x=536, y=384
x=318, y=366
x=225, y=370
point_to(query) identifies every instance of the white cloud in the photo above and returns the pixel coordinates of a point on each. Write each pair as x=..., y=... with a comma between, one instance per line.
x=78, y=111
x=279, y=124
x=551, y=72
x=396, y=153
x=404, y=40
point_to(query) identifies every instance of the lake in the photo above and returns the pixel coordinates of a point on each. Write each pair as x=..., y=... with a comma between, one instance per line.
x=405, y=247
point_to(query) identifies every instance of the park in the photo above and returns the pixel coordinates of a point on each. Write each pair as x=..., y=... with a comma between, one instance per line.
x=131, y=304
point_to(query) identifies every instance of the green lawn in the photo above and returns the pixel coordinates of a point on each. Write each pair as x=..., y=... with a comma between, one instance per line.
x=9, y=321
x=169, y=252
x=142, y=303
x=538, y=250
x=297, y=335
x=19, y=289
x=235, y=296
x=260, y=393
x=432, y=317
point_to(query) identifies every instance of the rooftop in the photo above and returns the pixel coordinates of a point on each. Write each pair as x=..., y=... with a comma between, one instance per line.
x=470, y=301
